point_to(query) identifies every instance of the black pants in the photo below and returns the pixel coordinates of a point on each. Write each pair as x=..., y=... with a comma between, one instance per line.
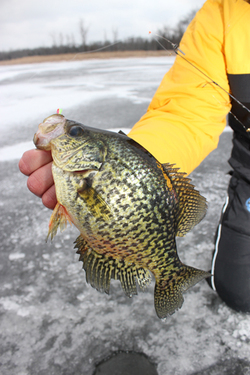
x=231, y=261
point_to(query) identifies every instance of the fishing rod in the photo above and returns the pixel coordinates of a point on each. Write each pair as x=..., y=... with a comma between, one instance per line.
x=180, y=53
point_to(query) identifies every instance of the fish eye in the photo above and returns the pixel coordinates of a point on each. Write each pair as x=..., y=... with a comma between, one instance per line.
x=76, y=131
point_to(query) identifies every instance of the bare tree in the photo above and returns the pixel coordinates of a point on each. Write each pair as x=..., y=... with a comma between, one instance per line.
x=183, y=24
x=115, y=34
x=68, y=44
x=53, y=37
x=61, y=39
x=72, y=42
x=105, y=36
x=175, y=34
x=83, y=31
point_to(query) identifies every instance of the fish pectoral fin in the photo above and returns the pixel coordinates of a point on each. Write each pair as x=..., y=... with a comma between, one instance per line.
x=192, y=205
x=58, y=218
x=168, y=292
x=95, y=203
x=100, y=269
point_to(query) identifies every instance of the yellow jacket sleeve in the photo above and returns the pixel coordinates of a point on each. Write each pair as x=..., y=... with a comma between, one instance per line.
x=188, y=111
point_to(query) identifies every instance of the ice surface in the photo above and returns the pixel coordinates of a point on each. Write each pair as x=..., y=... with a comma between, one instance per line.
x=52, y=322
x=33, y=91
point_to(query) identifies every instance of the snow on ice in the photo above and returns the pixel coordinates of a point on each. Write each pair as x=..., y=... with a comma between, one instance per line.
x=52, y=321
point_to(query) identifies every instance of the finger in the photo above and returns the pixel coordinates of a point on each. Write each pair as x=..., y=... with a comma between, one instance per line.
x=33, y=160
x=49, y=198
x=41, y=180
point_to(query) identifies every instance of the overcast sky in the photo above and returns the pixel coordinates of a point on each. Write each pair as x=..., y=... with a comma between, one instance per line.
x=33, y=23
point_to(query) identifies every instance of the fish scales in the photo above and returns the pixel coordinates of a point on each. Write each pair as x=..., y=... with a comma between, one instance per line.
x=127, y=206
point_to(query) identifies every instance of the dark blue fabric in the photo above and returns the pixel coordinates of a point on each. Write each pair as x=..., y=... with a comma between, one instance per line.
x=232, y=260
x=232, y=269
x=240, y=89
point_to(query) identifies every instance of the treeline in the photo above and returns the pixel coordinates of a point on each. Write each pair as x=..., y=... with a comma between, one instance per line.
x=130, y=44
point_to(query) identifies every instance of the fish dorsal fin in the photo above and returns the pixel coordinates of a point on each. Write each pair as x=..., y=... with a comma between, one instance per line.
x=122, y=133
x=191, y=205
x=100, y=269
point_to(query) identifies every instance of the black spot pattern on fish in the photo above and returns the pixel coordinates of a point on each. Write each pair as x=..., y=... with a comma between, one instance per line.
x=128, y=208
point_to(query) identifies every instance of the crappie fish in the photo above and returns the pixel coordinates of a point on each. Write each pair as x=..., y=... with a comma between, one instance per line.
x=127, y=206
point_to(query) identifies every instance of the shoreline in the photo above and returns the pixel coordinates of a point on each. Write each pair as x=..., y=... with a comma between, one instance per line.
x=85, y=56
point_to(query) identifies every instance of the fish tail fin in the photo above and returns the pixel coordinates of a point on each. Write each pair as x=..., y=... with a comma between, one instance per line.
x=168, y=291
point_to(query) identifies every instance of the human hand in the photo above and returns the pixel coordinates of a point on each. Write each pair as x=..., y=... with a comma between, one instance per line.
x=37, y=165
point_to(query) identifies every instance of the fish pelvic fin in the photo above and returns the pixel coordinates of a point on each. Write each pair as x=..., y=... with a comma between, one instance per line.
x=192, y=205
x=100, y=269
x=168, y=291
x=58, y=218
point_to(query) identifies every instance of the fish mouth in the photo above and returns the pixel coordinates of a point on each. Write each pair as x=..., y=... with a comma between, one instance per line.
x=49, y=129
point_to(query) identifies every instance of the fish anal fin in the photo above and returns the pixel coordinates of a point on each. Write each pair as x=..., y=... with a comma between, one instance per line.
x=100, y=269
x=191, y=205
x=58, y=218
x=168, y=292
x=143, y=277
x=127, y=274
x=126, y=277
x=97, y=268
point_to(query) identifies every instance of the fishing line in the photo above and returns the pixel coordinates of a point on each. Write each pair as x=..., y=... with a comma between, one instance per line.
x=82, y=53
x=95, y=50
x=180, y=53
